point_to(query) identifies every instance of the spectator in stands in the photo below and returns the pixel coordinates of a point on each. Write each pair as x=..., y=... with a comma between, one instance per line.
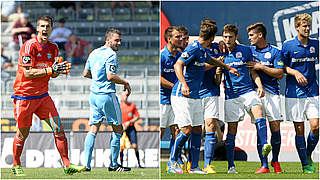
x=87, y=5
x=21, y=31
x=75, y=49
x=130, y=115
x=7, y=8
x=61, y=34
x=126, y=4
x=13, y=18
x=5, y=63
x=70, y=5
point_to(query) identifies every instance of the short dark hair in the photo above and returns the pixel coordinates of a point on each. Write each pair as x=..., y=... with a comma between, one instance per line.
x=208, y=28
x=258, y=28
x=168, y=32
x=182, y=29
x=230, y=28
x=45, y=18
x=112, y=31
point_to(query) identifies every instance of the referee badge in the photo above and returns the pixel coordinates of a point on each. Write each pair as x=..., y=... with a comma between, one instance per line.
x=112, y=68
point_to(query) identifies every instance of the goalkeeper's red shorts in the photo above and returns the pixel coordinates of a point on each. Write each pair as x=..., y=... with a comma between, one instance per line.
x=24, y=109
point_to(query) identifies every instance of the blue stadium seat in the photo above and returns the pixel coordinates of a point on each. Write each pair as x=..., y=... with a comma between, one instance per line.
x=142, y=14
x=83, y=29
x=86, y=14
x=104, y=14
x=122, y=14
x=68, y=14
x=140, y=28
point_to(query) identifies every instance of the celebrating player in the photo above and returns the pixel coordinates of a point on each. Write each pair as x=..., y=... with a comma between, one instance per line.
x=185, y=38
x=168, y=58
x=302, y=89
x=130, y=115
x=185, y=99
x=240, y=94
x=269, y=66
x=35, y=67
x=102, y=67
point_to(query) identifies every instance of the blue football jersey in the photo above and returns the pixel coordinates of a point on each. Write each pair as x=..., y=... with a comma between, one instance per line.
x=167, y=72
x=207, y=87
x=102, y=61
x=195, y=57
x=301, y=58
x=269, y=56
x=236, y=86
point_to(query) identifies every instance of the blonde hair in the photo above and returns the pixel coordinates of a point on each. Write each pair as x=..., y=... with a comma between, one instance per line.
x=301, y=17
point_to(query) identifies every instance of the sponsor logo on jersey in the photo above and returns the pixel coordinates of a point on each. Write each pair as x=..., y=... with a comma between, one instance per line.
x=26, y=59
x=267, y=55
x=312, y=49
x=236, y=63
x=306, y=59
x=238, y=55
x=215, y=51
x=112, y=68
x=199, y=63
x=168, y=70
x=266, y=63
x=49, y=55
x=280, y=63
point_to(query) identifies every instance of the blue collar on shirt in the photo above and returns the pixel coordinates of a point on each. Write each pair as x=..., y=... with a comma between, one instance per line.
x=263, y=50
x=300, y=44
x=200, y=47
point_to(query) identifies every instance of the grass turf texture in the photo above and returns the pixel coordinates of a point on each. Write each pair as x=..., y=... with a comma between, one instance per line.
x=96, y=173
x=292, y=170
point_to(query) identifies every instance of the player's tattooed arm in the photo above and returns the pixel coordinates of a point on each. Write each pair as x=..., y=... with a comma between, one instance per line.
x=274, y=72
x=257, y=81
x=165, y=83
x=299, y=77
x=30, y=72
x=178, y=68
x=87, y=73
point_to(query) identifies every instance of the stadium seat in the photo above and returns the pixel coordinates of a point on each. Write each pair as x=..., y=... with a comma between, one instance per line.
x=68, y=14
x=154, y=28
x=122, y=14
x=74, y=89
x=9, y=87
x=85, y=104
x=3, y=87
x=83, y=29
x=142, y=14
x=104, y=14
x=154, y=42
x=85, y=14
x=75, y=104
x=6, y=104
x=56, y=88
x=99, y=28
x=138, y=42
x=140, y=28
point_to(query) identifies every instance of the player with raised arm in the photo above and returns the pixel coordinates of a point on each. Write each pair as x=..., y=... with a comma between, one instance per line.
x=38, y=62
x=240, y=94
x=185, y=99
x=269, y=65
x=102, y=67
x=302, y=89
x=168, y=58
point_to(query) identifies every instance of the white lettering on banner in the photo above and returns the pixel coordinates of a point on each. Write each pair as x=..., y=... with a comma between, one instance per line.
x=51, y=158
x=102, y=157
x=6, y=151
x=75, y=156
x=151, y=157
x=288, y=23
x=34, y=158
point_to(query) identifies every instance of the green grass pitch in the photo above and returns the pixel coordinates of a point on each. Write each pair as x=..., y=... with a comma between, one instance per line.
x=292, y=170
x=96, y=173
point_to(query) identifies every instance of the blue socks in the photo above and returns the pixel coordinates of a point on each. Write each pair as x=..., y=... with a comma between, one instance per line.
x=230, y=144
x=275, y=143
x=88, y=148
x=115, y=148
x=209, y=146
x=312, y=143
x=261, y=126
x=178, y=144
x=170, y=149
x=301, y=148
x=195, y=149
x=264, y=160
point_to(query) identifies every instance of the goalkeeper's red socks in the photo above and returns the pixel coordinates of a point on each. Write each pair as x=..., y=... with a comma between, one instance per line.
x=62, y=146
x=18, y=144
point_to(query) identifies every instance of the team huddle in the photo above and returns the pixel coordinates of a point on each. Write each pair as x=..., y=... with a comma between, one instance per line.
x=190, y=80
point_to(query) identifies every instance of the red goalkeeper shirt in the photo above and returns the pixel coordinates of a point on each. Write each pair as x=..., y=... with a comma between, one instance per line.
x=38, y=56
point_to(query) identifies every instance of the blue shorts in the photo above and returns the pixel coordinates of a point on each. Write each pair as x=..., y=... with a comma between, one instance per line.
x=132, y=134
x=104, y=105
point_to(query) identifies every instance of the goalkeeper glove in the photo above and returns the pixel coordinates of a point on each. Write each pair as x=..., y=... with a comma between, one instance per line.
x=59, y=66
